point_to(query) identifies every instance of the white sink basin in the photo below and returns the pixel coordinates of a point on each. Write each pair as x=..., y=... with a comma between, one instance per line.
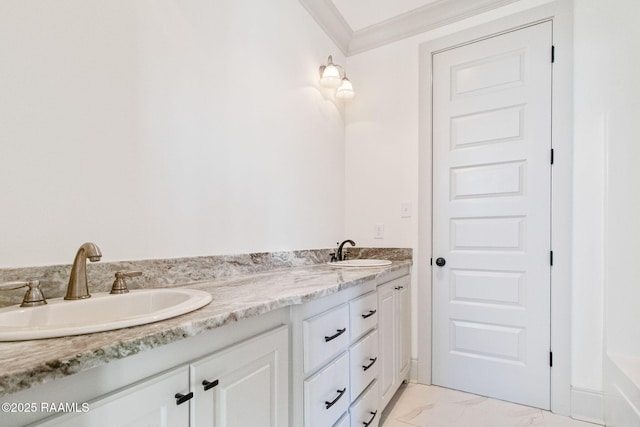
x=101, y=312
x=361, y=263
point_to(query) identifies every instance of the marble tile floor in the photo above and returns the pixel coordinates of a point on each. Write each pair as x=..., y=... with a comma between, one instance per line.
x=417, y=405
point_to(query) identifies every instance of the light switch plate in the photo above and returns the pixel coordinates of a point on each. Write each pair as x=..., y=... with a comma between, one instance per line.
x=378, y=231
x=405, y=210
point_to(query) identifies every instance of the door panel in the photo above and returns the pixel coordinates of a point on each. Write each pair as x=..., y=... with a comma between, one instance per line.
x=491, y=218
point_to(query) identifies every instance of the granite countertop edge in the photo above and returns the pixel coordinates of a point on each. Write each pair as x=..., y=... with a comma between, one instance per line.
x=28, y=363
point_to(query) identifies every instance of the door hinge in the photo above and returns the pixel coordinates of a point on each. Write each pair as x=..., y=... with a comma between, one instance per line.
x=553, y=54
x=551, y=258
x=552, y=154
x=551, y=359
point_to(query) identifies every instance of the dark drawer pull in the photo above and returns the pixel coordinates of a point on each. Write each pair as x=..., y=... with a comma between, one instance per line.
x=209, y=384
x=369, y=314
x=398, y=288
x=374, y=413
x=365, y=367
x=181, y=398
x=333, y=402
x=340, y=332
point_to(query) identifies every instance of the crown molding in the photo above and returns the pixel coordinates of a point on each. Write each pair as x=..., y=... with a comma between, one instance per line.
x=409, y=24
x=331, y=21
x=418, y=21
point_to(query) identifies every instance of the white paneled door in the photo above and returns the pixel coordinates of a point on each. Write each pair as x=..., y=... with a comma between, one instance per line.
x=491, y=216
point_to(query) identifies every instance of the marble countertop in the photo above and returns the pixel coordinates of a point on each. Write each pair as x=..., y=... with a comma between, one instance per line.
x=26, y=363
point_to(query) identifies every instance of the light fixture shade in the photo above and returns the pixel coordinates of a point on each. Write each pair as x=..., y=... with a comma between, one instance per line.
x=330, y=76
x=345, y=91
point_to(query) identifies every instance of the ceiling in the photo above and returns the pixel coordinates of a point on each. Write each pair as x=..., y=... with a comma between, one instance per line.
x=359, y=25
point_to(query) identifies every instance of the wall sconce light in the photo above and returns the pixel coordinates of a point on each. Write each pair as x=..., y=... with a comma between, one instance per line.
x=331, y=77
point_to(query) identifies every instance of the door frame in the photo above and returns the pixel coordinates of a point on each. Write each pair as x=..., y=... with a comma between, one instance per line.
x=560, y=12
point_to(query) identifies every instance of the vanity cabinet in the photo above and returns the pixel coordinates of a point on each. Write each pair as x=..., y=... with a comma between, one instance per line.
x=337, y=360
x=243, y=385
x=394, y=328
x=332, y=361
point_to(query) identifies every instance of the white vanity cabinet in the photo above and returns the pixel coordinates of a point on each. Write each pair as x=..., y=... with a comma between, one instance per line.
x=336, y=360
x=394, y=328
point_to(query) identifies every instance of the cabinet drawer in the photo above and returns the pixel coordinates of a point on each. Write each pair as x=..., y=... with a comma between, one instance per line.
x=343, y=422
x=326, y=394
x=325, y=336
x=363, y=361
x=363, y=312
x=366, y=412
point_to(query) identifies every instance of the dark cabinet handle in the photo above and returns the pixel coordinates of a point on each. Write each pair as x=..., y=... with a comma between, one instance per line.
x=369, y=314
x=440, y=262
x=181, y=398
x=365, y=367
x=397, y=288
x=374, y=413
x=340, y=332
x=333, y=402
x=209, y=384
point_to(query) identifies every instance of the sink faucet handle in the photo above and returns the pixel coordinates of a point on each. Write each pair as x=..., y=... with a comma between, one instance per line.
x=120, y=285
x=33, y=297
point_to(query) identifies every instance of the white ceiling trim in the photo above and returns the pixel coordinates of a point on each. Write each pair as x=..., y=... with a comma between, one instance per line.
x=417, y=21
x=331, y=21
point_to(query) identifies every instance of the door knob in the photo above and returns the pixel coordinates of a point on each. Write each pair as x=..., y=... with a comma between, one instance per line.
x=441, y=262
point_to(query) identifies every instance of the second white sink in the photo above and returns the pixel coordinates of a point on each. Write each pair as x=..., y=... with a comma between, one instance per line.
x=361, y=263
x=101, y=312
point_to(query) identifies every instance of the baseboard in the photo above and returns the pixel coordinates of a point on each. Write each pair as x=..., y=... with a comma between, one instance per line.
x=413, y=370
x=587, y=405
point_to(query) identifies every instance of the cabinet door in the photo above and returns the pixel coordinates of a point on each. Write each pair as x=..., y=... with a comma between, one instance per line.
x=387, y=377
x=245, y=385
x=149, y=403
x=403, y=311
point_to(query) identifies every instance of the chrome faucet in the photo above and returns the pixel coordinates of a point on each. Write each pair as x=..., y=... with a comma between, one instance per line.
x=338, y=256
x=78, y=288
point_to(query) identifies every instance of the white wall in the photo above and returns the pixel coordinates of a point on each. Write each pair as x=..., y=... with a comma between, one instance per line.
x=612, y=53
x=164, y=129
x=382, y=150
x=607, y=108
